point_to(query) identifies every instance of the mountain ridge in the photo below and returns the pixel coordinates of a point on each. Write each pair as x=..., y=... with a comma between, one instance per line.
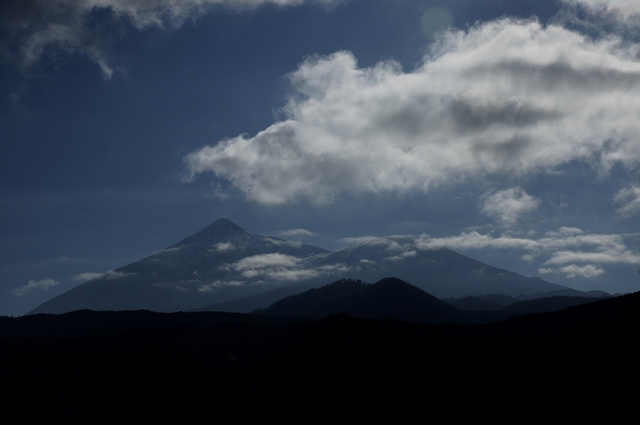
x=389, y=298
x=223, y=263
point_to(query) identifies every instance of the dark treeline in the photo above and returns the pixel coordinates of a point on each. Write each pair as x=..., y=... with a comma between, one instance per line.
x=202, y=367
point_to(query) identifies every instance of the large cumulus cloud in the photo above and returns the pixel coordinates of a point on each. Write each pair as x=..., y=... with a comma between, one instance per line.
x=508, y=97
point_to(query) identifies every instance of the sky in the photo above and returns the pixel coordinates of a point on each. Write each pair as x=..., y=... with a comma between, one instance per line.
x=506, y=130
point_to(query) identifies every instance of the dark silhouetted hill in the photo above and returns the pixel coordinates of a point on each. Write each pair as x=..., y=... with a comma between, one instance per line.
x=389, y=298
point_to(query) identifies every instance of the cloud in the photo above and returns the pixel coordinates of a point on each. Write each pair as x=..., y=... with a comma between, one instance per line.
x=621, y=9
x=282, y=267
x=358, y=240
x=573, y=270
x=629, y=199
x=508, y=97
x=562, y=249
x=43, y=284
x=210, y=287
x=296, y=233
x=111, y=274
x=507, y=205
x=602, y=17
x=88, y=276
x=87, y=27
x=273, y=266
x=224, y=247
x=263, y=261
x=279, y=242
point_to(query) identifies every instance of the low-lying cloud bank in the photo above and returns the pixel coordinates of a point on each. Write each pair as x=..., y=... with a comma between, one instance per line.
x=38, y=26
x=508, y=97
x=568, y=250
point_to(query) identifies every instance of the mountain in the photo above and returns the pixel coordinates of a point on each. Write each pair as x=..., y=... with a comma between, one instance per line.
x=389, y=298
x=219, y=263
x=440, y=272
x=224, y=265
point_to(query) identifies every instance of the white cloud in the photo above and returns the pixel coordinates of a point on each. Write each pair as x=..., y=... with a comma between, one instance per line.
x=602, y=17
x=111, y=274
x=562, y=249
x=574, y=270
x=210, y=287
x=278, y=242
x=88, y=276
x=507, y=97
x=297, y=232
x=281, y=267
x=44, y=284
x=629, y=198
x=224, y=247
x=623, y=9
x=68, y=26
x=357, y=240
x=507, y=205
x=266, y=261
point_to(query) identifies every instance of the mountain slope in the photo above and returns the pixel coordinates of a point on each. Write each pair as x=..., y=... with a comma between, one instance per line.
x=223, y=265
x=219, y=263
x=440, y=272
x=389, y=298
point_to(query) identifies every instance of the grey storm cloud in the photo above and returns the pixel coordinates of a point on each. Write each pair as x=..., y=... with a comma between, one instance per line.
x=509, y=97
x=37, y=27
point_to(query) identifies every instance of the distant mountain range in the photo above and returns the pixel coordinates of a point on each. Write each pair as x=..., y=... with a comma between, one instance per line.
x=223, y=267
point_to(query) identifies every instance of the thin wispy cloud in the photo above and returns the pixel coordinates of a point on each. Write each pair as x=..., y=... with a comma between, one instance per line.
x=88, y=27
x=622, y=9
x=508, y=97
x=111, y=274
x=33, y=285
x=88, y=276
x=292, y=233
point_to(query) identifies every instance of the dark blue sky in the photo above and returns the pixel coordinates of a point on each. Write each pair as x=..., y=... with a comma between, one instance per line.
x=511, y=138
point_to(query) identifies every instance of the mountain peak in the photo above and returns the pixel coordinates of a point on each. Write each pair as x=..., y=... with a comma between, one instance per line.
x=225, y=224
x=222, y=228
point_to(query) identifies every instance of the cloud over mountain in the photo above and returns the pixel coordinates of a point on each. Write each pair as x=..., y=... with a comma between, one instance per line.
x=560, y=251
x=508, y=97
